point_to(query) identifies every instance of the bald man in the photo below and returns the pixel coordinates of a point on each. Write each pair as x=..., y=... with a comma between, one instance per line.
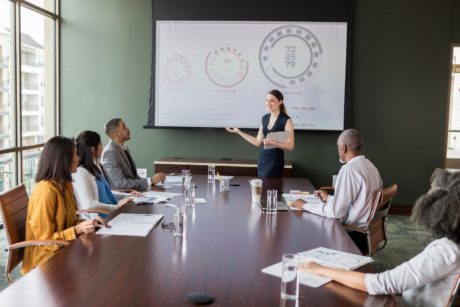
x=356, y=184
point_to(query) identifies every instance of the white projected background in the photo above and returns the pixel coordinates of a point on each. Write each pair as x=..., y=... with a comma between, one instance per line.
x=217, y=74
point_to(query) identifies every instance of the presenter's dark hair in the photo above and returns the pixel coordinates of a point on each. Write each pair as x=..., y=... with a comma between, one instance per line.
x=280, y=97
x=439, y=209
x=56, y=160
x=111, y=126
x=87, y=141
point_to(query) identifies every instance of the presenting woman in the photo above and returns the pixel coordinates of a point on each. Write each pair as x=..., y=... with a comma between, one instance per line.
x=52, y=211
x=271, y=154
x=429, y=277
x=91, y=189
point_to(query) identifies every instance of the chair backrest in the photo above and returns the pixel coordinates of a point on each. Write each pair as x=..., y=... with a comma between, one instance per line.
x=384, y=201
x=376, y=232
x=13, y=208
x=453, y=296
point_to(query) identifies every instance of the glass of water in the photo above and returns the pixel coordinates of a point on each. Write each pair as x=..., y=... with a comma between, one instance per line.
x=289, y=277
x=274, y=202
x=190, y=195
x=179, y=221
x=186, y=177
x=211, y=173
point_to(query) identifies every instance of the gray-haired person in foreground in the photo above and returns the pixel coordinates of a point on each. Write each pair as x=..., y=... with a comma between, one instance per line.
x=428, y=278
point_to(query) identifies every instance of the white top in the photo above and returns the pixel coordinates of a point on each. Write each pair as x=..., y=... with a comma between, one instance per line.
x=86, y=193
x=425, y=280
x=355, y=186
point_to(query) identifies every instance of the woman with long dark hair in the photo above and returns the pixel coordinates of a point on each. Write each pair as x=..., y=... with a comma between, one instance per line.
x=271, y=160
x=91, y=188
x=52, y=211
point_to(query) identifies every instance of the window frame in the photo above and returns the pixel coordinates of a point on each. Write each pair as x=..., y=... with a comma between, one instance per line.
x=453, y=68
x=18, y=148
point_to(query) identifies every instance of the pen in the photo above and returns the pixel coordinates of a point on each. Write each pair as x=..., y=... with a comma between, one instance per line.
x=101, y=222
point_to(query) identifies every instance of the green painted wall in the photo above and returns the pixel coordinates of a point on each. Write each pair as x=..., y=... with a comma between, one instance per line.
x=399, y=94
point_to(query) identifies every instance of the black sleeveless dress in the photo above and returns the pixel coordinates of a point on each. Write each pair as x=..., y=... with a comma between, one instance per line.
x=271, y=161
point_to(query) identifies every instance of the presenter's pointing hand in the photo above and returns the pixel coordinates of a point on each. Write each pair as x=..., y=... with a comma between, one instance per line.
x=232, y=130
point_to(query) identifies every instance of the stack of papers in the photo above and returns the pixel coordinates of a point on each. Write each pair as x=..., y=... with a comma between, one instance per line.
x=335, y=259
x=308, y=198
x=128, y=224
x=305, y=278
x=173, y=180
x=325, y=256
x=155, y=197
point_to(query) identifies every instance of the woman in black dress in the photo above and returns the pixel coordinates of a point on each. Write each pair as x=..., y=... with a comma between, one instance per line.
x=271, y=161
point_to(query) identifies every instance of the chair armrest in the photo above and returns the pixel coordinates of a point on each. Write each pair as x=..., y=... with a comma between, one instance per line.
x=23, y=244
x=327, y=188
x=354, y=228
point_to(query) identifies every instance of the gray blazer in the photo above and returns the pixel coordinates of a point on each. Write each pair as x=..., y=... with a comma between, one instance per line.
x=118, y=170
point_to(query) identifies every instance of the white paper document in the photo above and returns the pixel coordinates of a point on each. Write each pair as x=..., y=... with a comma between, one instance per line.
x=173, y=180
x=305, y=278
x=335, y=259
x=308, y=198
x=155, y=197
x=130, y=224
x=279, y=136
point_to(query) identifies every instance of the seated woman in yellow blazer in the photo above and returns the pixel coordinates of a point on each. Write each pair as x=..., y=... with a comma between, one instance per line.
x=52, y=211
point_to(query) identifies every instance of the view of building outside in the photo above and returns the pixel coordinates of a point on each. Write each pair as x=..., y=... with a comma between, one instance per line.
x=453, y=144
x=36, y=106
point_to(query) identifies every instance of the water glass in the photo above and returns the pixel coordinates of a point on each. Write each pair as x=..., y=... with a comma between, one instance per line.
x=274, y=202
x=224, y=184
x=186, y=178
x=179, y=221
x=190, y=195
x=211, y=173
x=289, y=277
x=269, y=202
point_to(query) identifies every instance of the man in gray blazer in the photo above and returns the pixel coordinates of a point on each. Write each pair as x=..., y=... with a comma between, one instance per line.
x=117, y=161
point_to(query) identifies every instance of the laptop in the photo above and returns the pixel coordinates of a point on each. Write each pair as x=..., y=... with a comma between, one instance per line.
x=272, y=184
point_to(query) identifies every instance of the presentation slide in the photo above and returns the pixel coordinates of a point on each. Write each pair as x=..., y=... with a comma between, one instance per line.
x=216, y=74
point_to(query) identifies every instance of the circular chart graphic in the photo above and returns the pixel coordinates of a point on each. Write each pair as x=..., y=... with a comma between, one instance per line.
x=177, y=70
x=226, y=66
x=290, y=55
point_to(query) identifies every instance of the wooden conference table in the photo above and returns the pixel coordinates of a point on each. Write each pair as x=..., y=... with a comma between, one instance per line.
x=227, y=243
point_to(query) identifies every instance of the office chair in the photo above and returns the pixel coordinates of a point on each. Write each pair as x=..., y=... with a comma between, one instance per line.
x=13, y=209
x=375, y=231
x=454, y=297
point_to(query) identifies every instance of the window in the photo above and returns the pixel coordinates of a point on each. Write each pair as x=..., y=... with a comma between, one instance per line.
x=28, y=86
x=453, y=133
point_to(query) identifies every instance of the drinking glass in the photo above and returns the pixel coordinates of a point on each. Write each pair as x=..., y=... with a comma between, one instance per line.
x=211, y=173
x=274, y=202
x=289, y=277
x=190, y=195
x=185, y=177
x=179, y=221
x=268, y=210
x=224, y=184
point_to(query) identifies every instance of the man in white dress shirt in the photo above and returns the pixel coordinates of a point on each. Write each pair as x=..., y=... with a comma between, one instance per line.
x=356, y=184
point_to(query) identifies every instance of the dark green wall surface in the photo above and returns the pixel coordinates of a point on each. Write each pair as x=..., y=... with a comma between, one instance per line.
x=400, y=71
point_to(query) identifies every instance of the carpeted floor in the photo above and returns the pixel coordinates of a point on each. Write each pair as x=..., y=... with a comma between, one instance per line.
x=405, y=240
